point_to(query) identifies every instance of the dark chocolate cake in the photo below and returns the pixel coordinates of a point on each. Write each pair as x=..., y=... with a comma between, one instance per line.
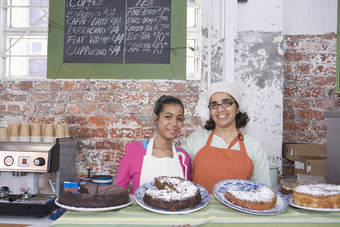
x=95, y=196
x=173, y=193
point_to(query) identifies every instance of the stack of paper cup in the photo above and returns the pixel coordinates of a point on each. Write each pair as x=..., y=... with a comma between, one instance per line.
x=36, y=133
x=67, y=130
x=48, y=133
x=3, y=134
x=14, y=131
x=24, y=132
x=54, y=128
x=60, y=131
x=9, y=129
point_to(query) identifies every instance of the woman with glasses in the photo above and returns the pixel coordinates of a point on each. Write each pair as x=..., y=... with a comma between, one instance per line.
x=222, y=151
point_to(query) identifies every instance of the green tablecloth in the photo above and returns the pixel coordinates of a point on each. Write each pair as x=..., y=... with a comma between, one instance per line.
x=214, y=214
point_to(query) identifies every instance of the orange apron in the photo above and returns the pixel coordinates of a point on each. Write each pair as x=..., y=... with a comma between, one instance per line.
x=212, y=165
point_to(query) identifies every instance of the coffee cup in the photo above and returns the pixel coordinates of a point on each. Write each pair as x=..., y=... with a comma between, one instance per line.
x=14, y=132
x=3, y=134
x=60, y=131
x=67, y=130
x=36, y=133
x=48, y=133
x=9, y=129
x=24, y=132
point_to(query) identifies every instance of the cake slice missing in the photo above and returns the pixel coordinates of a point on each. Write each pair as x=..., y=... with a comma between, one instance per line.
x=173, y=193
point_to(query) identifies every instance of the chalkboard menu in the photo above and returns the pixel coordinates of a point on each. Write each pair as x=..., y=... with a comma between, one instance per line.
x=117, y=39
x=117, y=31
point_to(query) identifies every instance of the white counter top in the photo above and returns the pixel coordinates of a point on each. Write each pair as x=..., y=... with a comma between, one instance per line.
x=26, y=220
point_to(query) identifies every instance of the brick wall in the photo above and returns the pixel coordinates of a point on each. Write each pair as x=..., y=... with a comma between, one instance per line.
x=104, y=115
x=309, y=89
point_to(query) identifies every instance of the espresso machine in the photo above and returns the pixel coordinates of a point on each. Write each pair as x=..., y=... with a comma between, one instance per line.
x=32, y=175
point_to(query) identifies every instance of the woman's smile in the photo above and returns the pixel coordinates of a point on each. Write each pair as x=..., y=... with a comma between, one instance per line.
x=222, y=116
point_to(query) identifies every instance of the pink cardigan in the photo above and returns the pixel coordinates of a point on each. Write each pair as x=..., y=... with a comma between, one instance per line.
x=131, y=165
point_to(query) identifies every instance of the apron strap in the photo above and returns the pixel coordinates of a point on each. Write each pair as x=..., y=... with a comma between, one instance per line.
x=238, y=138
x=150, y=147
x=210, y=137
x=242, y=146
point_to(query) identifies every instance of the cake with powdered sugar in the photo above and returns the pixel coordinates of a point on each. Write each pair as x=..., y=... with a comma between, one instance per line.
x=263, y=198
x=317, y=195
x=173, y=193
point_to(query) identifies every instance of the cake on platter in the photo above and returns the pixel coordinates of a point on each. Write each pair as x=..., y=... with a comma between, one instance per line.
x=173, y=193
x=262, y=198
x=317, y=195
x=95, y=196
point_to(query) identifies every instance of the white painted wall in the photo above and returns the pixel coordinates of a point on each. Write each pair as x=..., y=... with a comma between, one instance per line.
x=309, y=16
x=296, y=17
x=260, y=15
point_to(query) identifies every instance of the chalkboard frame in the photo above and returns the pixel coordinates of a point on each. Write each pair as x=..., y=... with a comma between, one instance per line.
x=57, y=69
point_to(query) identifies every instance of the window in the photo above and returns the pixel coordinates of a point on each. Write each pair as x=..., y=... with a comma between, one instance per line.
x=24, y=38
x=24, y=31
x=193, y=31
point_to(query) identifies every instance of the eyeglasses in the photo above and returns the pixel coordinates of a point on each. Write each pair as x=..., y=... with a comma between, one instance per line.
x=224, y=104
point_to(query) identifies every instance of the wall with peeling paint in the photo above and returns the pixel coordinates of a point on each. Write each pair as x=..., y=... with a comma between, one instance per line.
x=258, y=62
x=261, y=30
x=259, y=72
